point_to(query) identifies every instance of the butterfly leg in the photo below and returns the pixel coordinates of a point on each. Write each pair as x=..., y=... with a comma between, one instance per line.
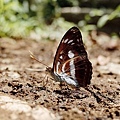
x=63, y=86
x=45, y=83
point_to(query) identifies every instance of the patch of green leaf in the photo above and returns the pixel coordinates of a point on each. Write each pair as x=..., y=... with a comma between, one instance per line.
x=107, y=17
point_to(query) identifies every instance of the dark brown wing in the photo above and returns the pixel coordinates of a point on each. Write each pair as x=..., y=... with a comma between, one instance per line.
x=71, y=58
x=80, y=70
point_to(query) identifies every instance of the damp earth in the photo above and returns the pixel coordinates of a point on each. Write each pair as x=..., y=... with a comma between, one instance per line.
x=27, y=92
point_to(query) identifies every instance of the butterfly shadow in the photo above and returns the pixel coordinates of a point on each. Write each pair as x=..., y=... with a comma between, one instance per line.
x=82, y=93
x=70, y=92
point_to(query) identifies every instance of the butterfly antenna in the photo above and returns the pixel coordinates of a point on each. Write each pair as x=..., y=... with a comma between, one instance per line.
x=34, y=58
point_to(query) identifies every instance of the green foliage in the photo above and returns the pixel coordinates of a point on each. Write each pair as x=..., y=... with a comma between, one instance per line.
x=14, y=21
x=49, y=10
x=107, y=17
x=56, y=29
x=67, y=3
x=87, y=24
x=1, y=5
x=20, y=18
x=98, y=18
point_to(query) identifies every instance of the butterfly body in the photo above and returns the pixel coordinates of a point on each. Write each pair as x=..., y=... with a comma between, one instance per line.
x=62, y=77
x=71, y=63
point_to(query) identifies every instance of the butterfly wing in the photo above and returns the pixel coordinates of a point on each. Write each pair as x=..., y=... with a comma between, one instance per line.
x=71, y=61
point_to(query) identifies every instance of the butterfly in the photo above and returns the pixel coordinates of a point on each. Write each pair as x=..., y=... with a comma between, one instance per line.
x=71, y=63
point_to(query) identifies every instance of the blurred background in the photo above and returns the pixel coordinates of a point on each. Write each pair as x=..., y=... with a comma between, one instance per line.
x=47, y=19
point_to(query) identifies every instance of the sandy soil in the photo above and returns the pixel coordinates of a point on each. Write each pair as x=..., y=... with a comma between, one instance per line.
x=22, y=80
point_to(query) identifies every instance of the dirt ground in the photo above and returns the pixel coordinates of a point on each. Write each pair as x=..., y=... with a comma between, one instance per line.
x=24, y=90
